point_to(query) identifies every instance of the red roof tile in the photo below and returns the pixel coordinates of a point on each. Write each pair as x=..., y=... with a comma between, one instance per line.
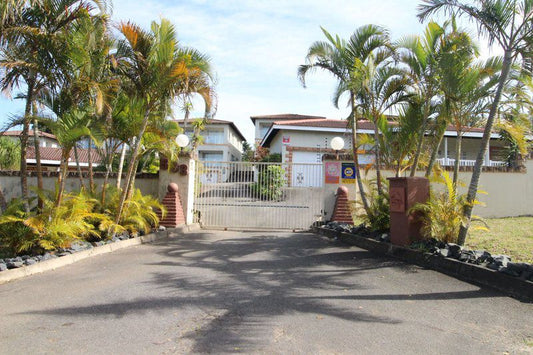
x=30, y=133
x=285, y=116
x=54, y=154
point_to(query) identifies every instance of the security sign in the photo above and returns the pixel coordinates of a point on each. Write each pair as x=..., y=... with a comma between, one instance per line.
x=348, y=173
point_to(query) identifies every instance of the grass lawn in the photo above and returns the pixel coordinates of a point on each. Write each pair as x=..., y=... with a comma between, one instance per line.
x=509, y=236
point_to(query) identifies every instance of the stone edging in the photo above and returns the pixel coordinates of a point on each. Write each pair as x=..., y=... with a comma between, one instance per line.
x=51, y=264
x=512, y=286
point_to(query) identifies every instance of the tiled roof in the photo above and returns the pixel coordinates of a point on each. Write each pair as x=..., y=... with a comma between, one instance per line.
x=54, y=154
x=285, y=116
x=30, y=133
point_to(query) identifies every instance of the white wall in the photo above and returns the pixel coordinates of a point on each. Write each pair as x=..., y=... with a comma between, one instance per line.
x=10, y=185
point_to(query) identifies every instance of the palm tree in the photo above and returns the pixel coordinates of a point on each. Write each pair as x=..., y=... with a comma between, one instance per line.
x=197, y=80
x=378, y=87
x=467, y=88
x=420, y=54
x=151, y=63
x=339, y=57
x=507, y=23
x=34, y=49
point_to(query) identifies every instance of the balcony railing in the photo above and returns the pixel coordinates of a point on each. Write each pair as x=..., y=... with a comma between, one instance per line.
x=467, y=162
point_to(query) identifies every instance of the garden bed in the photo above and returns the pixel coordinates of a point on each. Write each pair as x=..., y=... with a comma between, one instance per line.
x=478, y=267
x=21, y=266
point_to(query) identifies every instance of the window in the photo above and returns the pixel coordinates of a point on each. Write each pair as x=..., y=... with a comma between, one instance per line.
x=263, y=129
x=214, y=137
x=211, y=156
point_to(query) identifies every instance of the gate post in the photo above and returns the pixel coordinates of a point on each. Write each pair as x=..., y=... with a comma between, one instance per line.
x=404, y=193
x=181, y=173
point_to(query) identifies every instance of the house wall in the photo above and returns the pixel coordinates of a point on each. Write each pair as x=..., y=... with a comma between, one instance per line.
x=320, y=140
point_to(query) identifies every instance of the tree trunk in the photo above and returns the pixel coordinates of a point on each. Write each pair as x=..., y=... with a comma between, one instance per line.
x=421, y=135
x=37, y=147
x=121, y=165
x=23, y=147
x=62, y=176
x=458, y=144
x=131, y=167
x=78, y=168
x=378, y=162
x=90, y=162
x=356, y=156
x=435, y=151
x=104, y=186
x=473, y=187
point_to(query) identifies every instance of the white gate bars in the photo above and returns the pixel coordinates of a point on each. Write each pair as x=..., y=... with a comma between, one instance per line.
x=258, y=195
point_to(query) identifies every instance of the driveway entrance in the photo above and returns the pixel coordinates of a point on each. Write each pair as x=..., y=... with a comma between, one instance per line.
x=280, y=293
x=258, y=195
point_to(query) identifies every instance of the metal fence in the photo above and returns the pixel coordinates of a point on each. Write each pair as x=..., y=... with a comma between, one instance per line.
x=258, y=195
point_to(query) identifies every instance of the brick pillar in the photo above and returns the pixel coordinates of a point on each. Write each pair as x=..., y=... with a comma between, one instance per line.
x=172, y=203
x=342, y=213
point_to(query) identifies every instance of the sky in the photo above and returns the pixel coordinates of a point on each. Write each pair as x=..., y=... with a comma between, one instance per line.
x=256, y=47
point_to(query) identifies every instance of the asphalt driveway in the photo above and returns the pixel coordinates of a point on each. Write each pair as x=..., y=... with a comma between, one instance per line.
x=255, y=292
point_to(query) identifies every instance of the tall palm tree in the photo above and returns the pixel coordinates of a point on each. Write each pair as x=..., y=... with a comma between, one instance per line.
x=198, y=79
x=506, y=23
x=378, y=87
x=420, y=54
x=150, y=62
x=338, y=57
x=34, y=48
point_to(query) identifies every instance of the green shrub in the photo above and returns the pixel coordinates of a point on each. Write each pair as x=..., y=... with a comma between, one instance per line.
x=54, y=227
x=139, y=211
x=442, y=215
x=377, y=218
x=270, y=183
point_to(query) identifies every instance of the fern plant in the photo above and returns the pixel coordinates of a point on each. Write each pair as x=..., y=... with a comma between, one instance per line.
x=377, y=216
x=140, y=211
x=55, y=226
x=442, y=215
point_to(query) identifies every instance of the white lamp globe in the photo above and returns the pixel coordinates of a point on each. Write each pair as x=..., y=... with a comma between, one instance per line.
x=337, y=143
x=182, y=140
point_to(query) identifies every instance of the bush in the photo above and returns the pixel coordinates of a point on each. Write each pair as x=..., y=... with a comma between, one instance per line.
x=53, y=227
x=270, y=183
x=442, y=215
x=139, y=211
x=377, y=218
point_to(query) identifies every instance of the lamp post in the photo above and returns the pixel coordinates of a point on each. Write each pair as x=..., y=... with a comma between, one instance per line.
x=337, y=144
x=182, y=140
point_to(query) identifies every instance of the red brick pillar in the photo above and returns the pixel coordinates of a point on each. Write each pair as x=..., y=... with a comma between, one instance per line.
x=342, y=213
x=172, y=203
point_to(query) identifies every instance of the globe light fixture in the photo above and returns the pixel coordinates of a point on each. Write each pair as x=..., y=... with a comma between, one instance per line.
x=182, y=140
x=337, y=144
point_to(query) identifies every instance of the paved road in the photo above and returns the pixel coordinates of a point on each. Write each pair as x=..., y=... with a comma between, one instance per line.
x=225, y=292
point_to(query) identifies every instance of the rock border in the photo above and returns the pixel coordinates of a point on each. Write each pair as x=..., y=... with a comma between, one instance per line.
x=475, y=274
x=52, y=264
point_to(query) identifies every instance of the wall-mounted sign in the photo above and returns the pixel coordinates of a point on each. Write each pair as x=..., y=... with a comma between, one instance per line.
x=348, y=173
x=397, y=199
x=333, y=172
x=286, y=139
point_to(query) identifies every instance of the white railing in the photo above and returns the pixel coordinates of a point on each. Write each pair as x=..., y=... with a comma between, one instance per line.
x=468, y=162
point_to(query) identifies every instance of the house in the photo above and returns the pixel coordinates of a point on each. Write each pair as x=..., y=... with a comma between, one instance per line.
x=307, y=140
x=46, y=139
x=50, y=152
x=222, y=140
x=263, y=123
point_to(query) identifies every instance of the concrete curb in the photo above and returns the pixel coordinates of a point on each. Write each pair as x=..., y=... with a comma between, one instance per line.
x=51, y=264
x=512, y=286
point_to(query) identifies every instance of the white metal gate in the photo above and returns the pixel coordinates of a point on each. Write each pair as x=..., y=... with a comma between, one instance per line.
x=258, y=195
